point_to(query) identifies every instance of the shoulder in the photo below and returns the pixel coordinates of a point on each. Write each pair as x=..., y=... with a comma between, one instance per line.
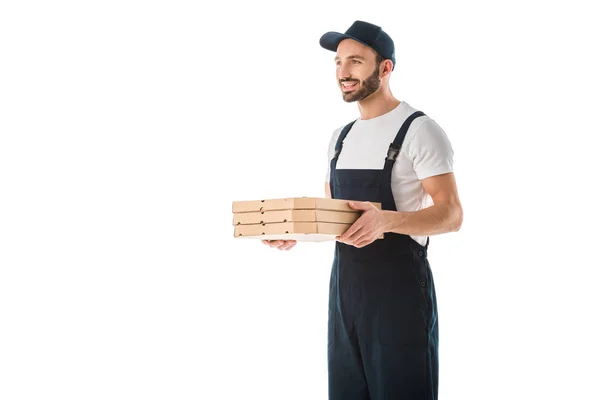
x=428, y=133
x=404, y=112
x=336, y=134
x=333, y=140
x=337, y=131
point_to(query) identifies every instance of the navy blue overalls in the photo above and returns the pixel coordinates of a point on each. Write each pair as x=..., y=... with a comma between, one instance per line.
x=382, y=323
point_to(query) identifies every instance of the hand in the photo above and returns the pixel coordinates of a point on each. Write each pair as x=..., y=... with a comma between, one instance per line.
x=280, y=244
x=367, y=228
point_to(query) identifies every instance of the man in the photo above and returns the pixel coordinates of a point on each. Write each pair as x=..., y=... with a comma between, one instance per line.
x=383, y=326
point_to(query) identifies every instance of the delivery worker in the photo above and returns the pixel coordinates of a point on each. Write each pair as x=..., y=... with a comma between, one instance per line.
x=383, y=321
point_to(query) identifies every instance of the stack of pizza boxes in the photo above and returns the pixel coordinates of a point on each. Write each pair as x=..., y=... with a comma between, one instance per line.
x=296, y=218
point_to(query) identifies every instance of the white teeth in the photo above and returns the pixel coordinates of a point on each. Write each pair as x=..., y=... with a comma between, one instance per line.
x=346, y=84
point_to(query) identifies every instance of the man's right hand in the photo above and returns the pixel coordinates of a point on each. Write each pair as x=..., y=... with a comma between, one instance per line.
x=288, y=244
x=280, y=244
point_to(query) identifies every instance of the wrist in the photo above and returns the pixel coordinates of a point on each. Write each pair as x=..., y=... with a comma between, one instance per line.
x=392, y=220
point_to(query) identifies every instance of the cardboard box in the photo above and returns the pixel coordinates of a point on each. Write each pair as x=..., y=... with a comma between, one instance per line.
x=316, y=215
x=297, y=218
x=294, y=203
x=301, y=231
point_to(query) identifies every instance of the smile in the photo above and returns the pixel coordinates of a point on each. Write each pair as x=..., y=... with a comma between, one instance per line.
x=347, y=86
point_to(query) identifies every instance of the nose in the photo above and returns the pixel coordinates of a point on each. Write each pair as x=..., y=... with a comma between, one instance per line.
x=343, y=71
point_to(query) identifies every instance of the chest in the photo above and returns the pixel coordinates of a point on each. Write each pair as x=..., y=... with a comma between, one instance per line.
x=368, y=150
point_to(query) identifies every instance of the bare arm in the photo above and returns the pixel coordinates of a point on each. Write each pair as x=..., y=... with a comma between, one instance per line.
x=444, y=216
x=327, y=190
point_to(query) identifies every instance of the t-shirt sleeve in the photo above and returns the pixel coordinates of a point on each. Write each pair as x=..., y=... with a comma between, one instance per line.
x=331, y=150
x=431, y=151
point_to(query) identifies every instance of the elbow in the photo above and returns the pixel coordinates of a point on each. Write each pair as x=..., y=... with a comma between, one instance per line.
x=458, y=219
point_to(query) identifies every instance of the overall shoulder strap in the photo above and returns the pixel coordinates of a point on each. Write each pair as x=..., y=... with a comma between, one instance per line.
x=395, y=146
x=340, y=141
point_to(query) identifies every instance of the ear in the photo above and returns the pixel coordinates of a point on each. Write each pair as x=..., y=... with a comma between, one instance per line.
x=385, y=68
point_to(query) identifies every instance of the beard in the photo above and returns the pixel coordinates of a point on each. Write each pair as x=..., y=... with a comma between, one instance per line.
x=366, y=87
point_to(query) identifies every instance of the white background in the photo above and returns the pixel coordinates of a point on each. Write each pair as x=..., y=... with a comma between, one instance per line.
x=128, y=128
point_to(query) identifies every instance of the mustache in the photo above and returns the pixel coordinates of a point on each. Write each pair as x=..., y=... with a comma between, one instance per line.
x=349, y=80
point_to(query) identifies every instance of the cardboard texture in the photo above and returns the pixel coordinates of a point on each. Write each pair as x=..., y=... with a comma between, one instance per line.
x=261, y=217
x=294, y=203
x=327, y=228
x=298, y=218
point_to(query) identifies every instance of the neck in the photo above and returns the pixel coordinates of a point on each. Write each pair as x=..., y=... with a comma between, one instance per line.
x=378, y=103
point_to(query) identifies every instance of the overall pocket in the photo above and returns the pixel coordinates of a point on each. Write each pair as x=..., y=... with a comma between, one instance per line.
x=420, y=271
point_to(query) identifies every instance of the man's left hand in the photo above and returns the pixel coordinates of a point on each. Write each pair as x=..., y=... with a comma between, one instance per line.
x=367, y=228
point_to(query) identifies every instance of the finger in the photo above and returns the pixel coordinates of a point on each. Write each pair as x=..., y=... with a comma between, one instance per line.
x=276, y=243
x=287, y=245
x=281, y=243
x=359, y=205
x=356, y=236
x=366, y=235
x=358, y=224
x=364, y=241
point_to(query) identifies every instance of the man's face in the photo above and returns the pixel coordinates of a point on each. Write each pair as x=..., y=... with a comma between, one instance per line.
x=356, y=71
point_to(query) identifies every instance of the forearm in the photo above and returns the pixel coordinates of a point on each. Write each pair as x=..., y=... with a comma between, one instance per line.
x=434, y=220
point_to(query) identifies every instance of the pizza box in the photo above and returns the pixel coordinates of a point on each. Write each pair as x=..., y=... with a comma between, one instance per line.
x=300, y=231
x=313, y=215
x=293, y=203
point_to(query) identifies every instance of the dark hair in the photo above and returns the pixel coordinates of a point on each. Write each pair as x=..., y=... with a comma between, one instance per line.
x=379, y=59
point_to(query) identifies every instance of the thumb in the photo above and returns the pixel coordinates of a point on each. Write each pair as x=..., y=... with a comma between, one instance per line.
x=359, y=205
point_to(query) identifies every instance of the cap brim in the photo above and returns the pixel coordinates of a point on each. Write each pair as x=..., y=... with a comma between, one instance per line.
x=331, y=40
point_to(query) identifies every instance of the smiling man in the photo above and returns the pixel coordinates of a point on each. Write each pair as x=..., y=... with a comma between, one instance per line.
x=383, y=321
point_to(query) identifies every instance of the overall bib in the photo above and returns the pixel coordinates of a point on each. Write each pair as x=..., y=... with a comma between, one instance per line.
x=382, y=322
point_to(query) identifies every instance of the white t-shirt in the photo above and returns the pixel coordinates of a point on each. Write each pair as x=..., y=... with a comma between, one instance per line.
x=426, y=151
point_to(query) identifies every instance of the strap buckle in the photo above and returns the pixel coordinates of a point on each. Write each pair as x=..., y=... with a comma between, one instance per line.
x=337, y=153
x=392, y=153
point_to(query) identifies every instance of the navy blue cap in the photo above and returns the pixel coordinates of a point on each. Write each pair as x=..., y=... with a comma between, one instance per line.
x=365, y=33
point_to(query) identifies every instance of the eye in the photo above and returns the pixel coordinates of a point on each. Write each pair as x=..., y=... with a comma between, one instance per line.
x=356, y=61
